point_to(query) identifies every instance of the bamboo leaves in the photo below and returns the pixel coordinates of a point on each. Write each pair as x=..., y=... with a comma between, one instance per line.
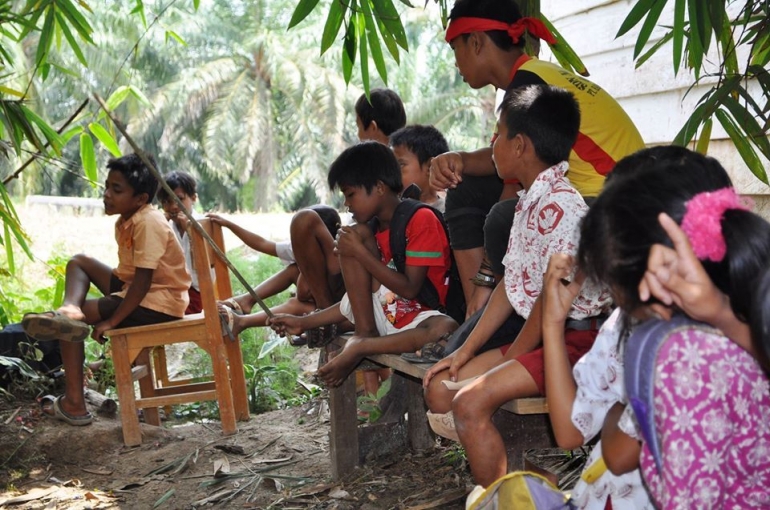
x=697, y=25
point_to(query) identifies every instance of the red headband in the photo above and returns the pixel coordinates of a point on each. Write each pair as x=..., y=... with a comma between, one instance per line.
x=534, y=26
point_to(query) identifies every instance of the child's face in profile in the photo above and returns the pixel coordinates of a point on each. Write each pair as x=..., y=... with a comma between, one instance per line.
x=504, y=153
x=362, y=205
x=412, y=172
x=118, y=196
x=170, y=206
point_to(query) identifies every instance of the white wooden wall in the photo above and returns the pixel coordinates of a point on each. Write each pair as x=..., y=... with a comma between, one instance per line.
x=657, y=101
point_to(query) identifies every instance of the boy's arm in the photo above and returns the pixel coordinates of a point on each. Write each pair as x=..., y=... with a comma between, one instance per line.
x=447, y=170
x=134, y=295
x=250, y=239
x=555, y=302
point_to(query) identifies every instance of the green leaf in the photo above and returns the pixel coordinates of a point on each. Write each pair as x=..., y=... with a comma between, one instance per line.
x=361, y=36
x=107, y=140
x=745, y=149
x=390, y=41
x=173, y=35
x=349, y=51
x=374, y=41
x=678, y=33
x=639, y=11
x=196, y=4
x=648, y=26
x=654, y=49
x=44, y=43
x=9, y=248
x=88, y=157
x=388, y=15
x=746, y=123
x=71, y=40
x=70, y=134
x=702, y=147
x=708, y=104
x=333, y=24
x=79, y=23
x=304, y=7
x=117, y=97
x=563, y=51
x=139, y=95
x=50, y=134
x=700, y=23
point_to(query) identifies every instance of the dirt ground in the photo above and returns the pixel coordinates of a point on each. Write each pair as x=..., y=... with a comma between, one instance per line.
x=276, y=460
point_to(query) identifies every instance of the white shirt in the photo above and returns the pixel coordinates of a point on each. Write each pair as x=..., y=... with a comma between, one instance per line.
x=599, y=378
x=547, y=221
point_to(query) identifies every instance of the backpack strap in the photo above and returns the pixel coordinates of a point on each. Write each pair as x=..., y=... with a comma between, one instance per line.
x=428, y=294
x=641, y=354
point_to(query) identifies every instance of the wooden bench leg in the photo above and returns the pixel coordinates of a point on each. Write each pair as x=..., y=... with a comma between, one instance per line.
x=343, y=437
x=132, y=434
x=420, y=434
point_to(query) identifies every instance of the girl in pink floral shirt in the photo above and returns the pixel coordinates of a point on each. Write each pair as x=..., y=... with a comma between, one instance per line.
x=711, y=398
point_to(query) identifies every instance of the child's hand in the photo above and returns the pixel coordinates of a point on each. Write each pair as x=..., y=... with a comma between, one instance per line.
x=348, y=242
x=285, y=324
x=558, y=292
x=219, y=220
x=676, y=276
x=98, y=331
x=446, y=170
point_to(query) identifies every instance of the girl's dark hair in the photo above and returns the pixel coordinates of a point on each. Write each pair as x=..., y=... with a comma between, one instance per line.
x=760, y=317
x=384, y=107
x=500, y=10
x=176, y=180
x=622, y=225
x=365, y=164
x=329, y=216
x=136, y=173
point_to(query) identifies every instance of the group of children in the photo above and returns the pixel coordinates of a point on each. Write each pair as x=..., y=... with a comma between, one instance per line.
x=551, y=309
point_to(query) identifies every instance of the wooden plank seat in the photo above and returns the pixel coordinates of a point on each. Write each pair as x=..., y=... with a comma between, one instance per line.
x=138, y=346
x=523, y=423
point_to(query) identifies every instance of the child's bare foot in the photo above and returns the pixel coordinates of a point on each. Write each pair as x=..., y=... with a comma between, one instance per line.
x=336, y=370
x=72, y=311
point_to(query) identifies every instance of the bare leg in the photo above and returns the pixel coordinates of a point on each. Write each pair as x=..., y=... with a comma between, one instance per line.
x=358, y=281
x=83, y=270
x=314, y=250
x=473, y=407
x=256, y=320
x=439, y=398
x=276, y=284
x=358, y=347
x=468, y=264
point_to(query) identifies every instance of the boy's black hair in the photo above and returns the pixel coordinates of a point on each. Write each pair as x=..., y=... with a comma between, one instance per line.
x=622, y=225
x=329, y=216
x=424, y=141
x=176, y=180
x=506, y=11
x=136, y=173
x=386, y=109
x=365, y=164
x=549, y=116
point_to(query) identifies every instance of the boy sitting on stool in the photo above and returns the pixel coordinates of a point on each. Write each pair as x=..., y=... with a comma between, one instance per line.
x=380, y=301
x=149, y=285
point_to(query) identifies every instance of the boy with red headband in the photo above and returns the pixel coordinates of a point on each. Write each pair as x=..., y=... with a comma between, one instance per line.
x=488, y=43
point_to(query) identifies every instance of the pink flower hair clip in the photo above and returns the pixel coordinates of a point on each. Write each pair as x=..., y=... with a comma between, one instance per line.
x=702, y=221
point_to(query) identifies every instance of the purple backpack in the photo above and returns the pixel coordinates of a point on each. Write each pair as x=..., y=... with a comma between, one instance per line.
x=641, y=353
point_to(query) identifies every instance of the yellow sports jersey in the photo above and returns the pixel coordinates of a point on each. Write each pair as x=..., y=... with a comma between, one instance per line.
x=607, y=133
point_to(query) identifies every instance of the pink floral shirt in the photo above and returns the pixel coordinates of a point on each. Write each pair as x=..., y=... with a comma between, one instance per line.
x=547, y=222
x=712, y=417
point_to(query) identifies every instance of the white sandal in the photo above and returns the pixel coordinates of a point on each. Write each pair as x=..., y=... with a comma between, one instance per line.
x=232, y=304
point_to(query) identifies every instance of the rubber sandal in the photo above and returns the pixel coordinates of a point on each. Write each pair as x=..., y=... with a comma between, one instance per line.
x=227, y=320
x=232, y=304
x=55, y=411
x=432, y=352
x=49, y=326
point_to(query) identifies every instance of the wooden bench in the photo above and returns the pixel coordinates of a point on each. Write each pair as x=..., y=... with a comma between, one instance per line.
x=523, y=423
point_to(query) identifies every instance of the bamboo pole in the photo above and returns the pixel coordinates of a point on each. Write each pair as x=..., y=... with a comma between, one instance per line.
x=142, y=155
